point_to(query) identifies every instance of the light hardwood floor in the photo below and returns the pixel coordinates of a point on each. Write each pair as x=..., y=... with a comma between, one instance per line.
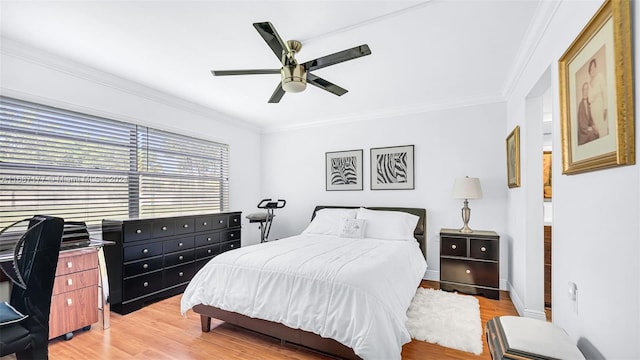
x=158, y=331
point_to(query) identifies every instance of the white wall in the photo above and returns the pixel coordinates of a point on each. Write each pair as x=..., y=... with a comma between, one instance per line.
x=448, y=144
x=596, y=236
x=32, y=75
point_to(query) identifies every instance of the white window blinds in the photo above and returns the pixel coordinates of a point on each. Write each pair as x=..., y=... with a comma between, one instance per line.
x=85, y=168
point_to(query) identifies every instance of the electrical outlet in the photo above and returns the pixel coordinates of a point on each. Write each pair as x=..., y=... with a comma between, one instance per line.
x=573, y=295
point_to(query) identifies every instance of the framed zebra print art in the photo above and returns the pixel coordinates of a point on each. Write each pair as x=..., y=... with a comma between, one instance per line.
x=344, y=170
x=392, y=168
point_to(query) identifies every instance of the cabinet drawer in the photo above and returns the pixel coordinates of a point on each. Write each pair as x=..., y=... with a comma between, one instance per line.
x=136, y=230
x=73, y=310
x=453, y=246
x=142, y=251
x=207, y=238
x=234, y=220
x=185, y=225
x=207, y=251
x=179, y=274
x=230, y=235
x=177, y=258
x=179, y=244
x=469, y=272
x=163, y=227
x=220, y=222
x=142, y=285
x=74, y=281
x=203, y=223
x=230, y=245
x=484, y=249
x=75, y=261
x=143, y=266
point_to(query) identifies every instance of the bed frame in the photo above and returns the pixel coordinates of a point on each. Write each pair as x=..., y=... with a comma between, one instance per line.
x=296, y=336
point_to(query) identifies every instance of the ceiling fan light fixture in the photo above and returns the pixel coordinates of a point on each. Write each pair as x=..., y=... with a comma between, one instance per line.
x=294, y=78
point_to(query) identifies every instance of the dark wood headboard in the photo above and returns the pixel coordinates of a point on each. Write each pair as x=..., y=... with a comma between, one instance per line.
x=419, y=233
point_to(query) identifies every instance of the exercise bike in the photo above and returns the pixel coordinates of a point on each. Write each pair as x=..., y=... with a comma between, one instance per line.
x=266, y=218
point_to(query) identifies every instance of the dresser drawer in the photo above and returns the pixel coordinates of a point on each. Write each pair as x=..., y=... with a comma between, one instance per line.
x=75, y=261
x=179, y=274
x=74, y=281
x=180, y=257
x=136, y=230
x=207, y=238
x=164, y=227
x=203, y=223
x=453, y=246
x=185, y=225
x=234, y=220
x=142, y=251
x=484, y=249
x=178, y=244
x=142, y=285
x=207, y=251
x=220, y=222
x=230, y=235
x=143, y=266
x=230, y=245
x=469, y=272
x=73, y=310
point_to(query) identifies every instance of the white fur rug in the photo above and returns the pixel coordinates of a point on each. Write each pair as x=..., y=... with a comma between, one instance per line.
x=445, y=318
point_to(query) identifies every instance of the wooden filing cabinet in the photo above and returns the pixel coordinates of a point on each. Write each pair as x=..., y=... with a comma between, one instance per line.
x=470, y=263
x=74, y=303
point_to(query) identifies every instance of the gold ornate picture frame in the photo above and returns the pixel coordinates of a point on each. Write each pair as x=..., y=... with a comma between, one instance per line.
x=596, y=93
x=513, y=158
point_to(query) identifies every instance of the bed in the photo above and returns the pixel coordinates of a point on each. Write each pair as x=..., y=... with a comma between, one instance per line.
x=320, y=289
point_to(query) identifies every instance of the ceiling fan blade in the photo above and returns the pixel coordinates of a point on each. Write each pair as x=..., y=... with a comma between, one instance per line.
x=338, y=57
x=270, y=35
x=325, y=85
x=244, y=72
x=277, y=94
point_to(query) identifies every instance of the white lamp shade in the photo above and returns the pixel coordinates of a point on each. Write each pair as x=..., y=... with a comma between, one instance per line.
x=467, y=188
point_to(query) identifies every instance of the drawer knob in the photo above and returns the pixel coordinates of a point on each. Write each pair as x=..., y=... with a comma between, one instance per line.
x=164, y=228
x=69, y=264
x=185, y=226
x=483, y=249
x=145, y=284
x=180, y=257
x=208, y=251
x=138, y=231
x=208, y=239
x=468, y=271
x=69, y=302
x=454, y=246
x=221, y=221
x=231, y=235
x=235, y=220
x=145, y=266
x=145, y=251
x=180, y=244
x=232, y=246
x=69, y=281
x=181, y=274
x=204, y=223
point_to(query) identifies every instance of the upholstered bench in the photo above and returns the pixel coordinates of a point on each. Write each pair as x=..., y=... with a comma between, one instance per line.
x=513, y=337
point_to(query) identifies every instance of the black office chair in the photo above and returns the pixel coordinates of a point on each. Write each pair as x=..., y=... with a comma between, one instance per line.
x=32, y=271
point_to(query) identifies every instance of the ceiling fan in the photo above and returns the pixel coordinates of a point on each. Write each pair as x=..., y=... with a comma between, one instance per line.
x=295, y=76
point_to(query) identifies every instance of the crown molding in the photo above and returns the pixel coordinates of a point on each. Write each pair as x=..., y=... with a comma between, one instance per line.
x=12, y=48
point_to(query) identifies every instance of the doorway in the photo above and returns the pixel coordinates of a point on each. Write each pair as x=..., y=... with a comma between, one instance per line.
x=547, y=196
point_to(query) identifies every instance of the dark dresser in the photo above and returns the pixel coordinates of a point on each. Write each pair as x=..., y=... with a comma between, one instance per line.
x=154, y=258
x=470, y=263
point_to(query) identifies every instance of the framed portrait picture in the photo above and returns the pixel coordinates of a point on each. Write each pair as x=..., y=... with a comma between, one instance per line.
x=344, y=170
x=513, y=158
x=596, y=93
x=392, y=168
x=546, y=174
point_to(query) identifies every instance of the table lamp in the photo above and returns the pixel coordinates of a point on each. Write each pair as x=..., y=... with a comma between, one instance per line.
x=467, y=188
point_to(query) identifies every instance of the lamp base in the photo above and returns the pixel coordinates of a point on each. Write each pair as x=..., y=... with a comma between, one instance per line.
x=466, y=230
x=466, y=215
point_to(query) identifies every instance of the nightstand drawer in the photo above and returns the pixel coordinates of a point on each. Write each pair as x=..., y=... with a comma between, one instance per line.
x=484, y=249
x=453, y=246
x=469, y=272
x=74, y=281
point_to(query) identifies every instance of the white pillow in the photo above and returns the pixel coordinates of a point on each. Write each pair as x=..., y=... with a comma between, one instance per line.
x=352, y=228
x=327, y=221
x=388, y=225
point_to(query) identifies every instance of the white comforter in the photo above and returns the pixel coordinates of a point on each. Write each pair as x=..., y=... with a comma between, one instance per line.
x=355, y=291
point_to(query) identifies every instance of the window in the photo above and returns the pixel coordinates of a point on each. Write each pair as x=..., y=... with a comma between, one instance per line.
x=86, y=168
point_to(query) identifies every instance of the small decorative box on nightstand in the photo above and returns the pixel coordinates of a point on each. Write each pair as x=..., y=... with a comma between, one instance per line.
x=470, y=262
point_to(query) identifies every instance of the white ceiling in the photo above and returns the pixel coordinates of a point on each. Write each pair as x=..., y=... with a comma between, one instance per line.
x=425, y=55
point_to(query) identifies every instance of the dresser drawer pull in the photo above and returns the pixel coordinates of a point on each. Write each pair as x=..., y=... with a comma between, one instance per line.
x=231, y=235
x=145, y=251
x=208, y=251
x=468, y=271
x=235, y=220
x=181, y=274
x=145, y=266
x=69, y=302
x=204, y=223
x=69, y=264
x=180, y=257
x=145, y=284
x=138, y=231
x=454, y=246
x=180, y=244
x=185, y=226
x=164, y=228
x=221, y=221
x=483, y=249
x=208, y=239
x=232, y=246
x=69, y=281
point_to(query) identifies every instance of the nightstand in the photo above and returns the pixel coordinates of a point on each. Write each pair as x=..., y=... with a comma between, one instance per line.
x=470, y=263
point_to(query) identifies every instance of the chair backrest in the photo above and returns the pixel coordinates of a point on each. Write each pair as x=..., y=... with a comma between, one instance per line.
x=36, y=264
